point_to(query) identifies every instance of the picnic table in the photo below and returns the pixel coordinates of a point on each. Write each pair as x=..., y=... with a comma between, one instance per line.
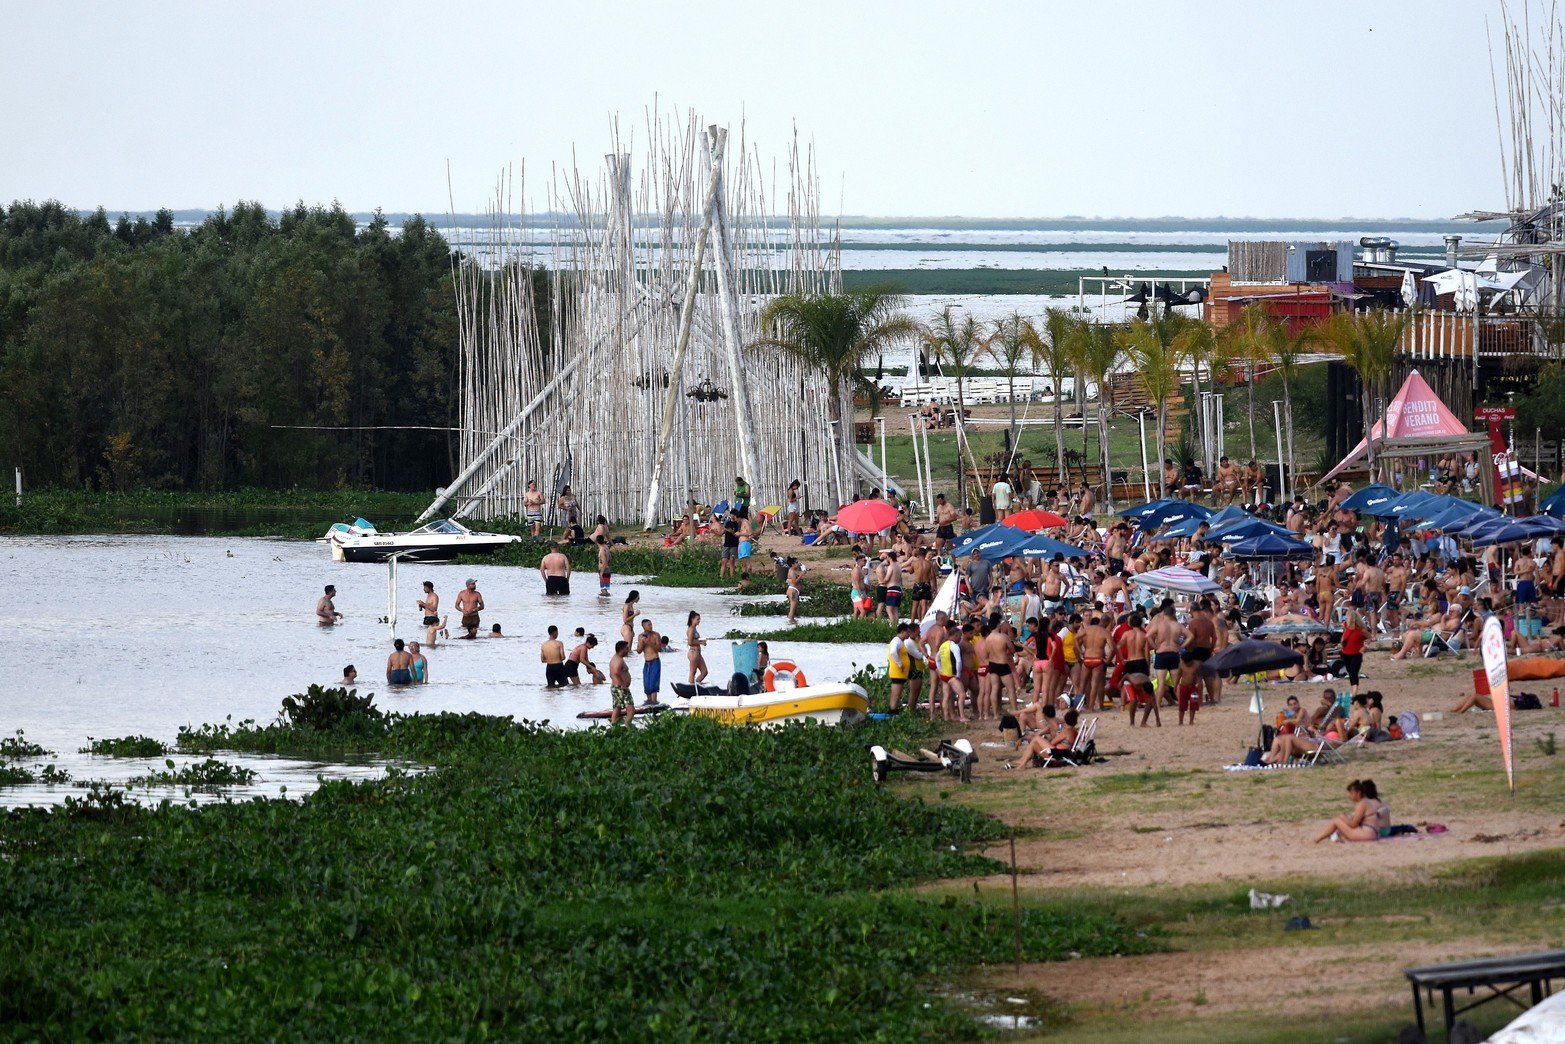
x=1535, y=970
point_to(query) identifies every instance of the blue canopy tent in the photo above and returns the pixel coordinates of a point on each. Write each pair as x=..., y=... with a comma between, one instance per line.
x=1371, y=497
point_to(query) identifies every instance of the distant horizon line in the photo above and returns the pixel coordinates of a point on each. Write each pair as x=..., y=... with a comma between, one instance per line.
x=847, y=220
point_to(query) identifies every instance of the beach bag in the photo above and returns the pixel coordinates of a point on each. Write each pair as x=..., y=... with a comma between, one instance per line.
x=1252, y=759
x=1268, y=736
x=1526, y=701
x=1407, y=722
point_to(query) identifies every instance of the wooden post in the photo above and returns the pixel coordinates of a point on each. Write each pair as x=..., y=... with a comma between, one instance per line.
x=728, y=305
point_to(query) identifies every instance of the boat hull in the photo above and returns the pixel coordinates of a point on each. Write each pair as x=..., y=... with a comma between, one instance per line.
x=378, y=550
x=827, y=704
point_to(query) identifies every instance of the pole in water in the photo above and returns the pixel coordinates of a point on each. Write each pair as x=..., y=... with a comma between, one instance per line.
x=19, y=485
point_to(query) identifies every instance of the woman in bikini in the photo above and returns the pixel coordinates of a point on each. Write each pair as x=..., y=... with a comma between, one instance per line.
x=1370, y=819
x=628, y=614
x=693, y=644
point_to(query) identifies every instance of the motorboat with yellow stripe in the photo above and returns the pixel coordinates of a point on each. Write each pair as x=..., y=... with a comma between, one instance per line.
x=833, y=703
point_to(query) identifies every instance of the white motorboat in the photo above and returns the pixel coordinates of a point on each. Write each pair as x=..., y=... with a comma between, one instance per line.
x=439, y=541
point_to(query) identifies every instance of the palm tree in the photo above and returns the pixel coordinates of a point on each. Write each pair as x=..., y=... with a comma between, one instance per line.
x=1251, y=340
x=1053, y=353
x=1368, y=341
x=1196, y=342
x=1287, y=351
x=1157, y=360
x=836, y=335
x=1099, y=354
x=957, y=344
x=1014, y=340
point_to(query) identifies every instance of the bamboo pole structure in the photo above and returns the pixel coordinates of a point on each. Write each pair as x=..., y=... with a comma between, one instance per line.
x=597, y=332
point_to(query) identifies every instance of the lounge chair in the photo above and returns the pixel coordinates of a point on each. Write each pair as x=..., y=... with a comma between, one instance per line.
x=1081, y=752
x=1448, y=641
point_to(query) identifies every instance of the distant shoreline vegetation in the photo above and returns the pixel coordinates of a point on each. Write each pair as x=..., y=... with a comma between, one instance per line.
x=548, y=219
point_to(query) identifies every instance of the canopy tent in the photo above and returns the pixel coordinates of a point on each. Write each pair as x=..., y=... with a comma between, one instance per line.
x=1417, y=423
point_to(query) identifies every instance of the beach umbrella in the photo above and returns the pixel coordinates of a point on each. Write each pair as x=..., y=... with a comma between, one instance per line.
x=1035, y=519
x=1231, y=513
x=1454, y=517
x=1369, y=498
x=991, y=542
x=1247, y=529
x=1040, y=546
x=1554, y=503
x=1173, y=578
x=1500, y=531
x=1401, y=505
x=1136, y=511
x=1293, y=623
x=866, y=516
x=1253, y=656
x=1475, y=522
x=1543, y=525
x=1270, y=546
x=1168, y=514
x=1179, y=530
x=1439, y=504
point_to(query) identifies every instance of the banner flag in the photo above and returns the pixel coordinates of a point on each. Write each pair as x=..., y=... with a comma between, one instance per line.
x=1493, y=645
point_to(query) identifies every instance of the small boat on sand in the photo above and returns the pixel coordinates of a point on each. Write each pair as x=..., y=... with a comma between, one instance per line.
x=439, y=541
x=833, y=703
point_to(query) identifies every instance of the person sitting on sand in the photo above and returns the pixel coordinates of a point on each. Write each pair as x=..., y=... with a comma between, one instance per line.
x=1474, y=701
x=1302, y=744
x=1044, y=746
x=1370, y=819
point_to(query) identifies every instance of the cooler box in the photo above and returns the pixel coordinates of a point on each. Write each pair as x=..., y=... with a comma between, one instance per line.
x=746, y=655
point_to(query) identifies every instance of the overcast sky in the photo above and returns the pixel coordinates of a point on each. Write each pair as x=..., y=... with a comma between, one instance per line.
x=1320, y=109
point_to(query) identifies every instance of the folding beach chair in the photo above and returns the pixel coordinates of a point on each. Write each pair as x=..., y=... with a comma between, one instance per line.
x=1330, y=755
x=1082, y=751
x=1446, y=641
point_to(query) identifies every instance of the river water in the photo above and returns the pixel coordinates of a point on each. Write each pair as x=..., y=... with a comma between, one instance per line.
x=128, y=635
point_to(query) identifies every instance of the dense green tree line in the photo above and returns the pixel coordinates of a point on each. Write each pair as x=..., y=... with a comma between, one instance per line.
x=136, y=353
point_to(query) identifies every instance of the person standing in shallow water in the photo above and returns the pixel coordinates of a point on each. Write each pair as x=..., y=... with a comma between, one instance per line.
x=399, y=665
x=649, y=644
x=470, y=603
x=326, y=613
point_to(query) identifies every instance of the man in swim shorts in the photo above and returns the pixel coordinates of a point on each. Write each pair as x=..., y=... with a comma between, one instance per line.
x=945, y=522
x=649, y=644
x=470, y=603
x=532, y=506
x=605, y=570
x=1164, y=635
x=430, y=603
x=325, y=610
x=1200, y=638
x=893, y=575
x=556, y=572
x=619, y=684
x=552, y=655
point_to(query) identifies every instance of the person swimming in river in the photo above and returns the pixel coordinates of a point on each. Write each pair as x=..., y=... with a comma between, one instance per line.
x=326, y=613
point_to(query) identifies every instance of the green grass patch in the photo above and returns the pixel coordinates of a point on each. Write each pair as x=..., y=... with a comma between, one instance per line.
x=850, y=630
x=291, y=513
x=677, y=880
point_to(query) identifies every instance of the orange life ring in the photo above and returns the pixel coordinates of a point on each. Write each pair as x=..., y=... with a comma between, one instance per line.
x=786, y=668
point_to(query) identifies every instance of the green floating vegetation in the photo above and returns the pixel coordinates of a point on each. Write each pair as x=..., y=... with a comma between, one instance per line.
x=678, y=880
x=19, y=746
x=15, y=776
x=210, y=773
x=874, y=629
x=127, y=747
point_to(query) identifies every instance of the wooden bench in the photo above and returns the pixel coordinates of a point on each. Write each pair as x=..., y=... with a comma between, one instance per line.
x=1534, y=970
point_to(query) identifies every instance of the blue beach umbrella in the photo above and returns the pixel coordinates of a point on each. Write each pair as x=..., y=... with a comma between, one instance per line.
x=1371, y=497
x=1501, y=531
x=1401, y=506
x=1544, y=525
x=1178, y=530
x=1136, y=511
x=1040, y=546
x=1439, y=504
x=1168, y=514
x=1270, y=546
x=1230, y=513
x=991, y=542
x=1454, y=518
x=1246, y=530
x=1554, y=503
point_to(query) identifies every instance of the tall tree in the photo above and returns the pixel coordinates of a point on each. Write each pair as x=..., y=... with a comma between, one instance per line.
x=1151, y=349
x=1053, y=354
x=958, y=344
x=1013, y=342
x=1100, y=356
x=837, y=335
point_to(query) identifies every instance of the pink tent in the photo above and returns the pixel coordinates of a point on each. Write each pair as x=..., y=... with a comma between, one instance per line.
x=1415, y=412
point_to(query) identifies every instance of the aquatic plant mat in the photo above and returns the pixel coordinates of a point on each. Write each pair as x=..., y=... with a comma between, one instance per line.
x=680, y=879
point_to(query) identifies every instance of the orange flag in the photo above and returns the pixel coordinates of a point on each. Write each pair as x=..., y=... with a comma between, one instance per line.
x=1493, y=645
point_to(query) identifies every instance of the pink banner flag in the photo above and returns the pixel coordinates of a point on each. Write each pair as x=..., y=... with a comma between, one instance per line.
x=1493, y=645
